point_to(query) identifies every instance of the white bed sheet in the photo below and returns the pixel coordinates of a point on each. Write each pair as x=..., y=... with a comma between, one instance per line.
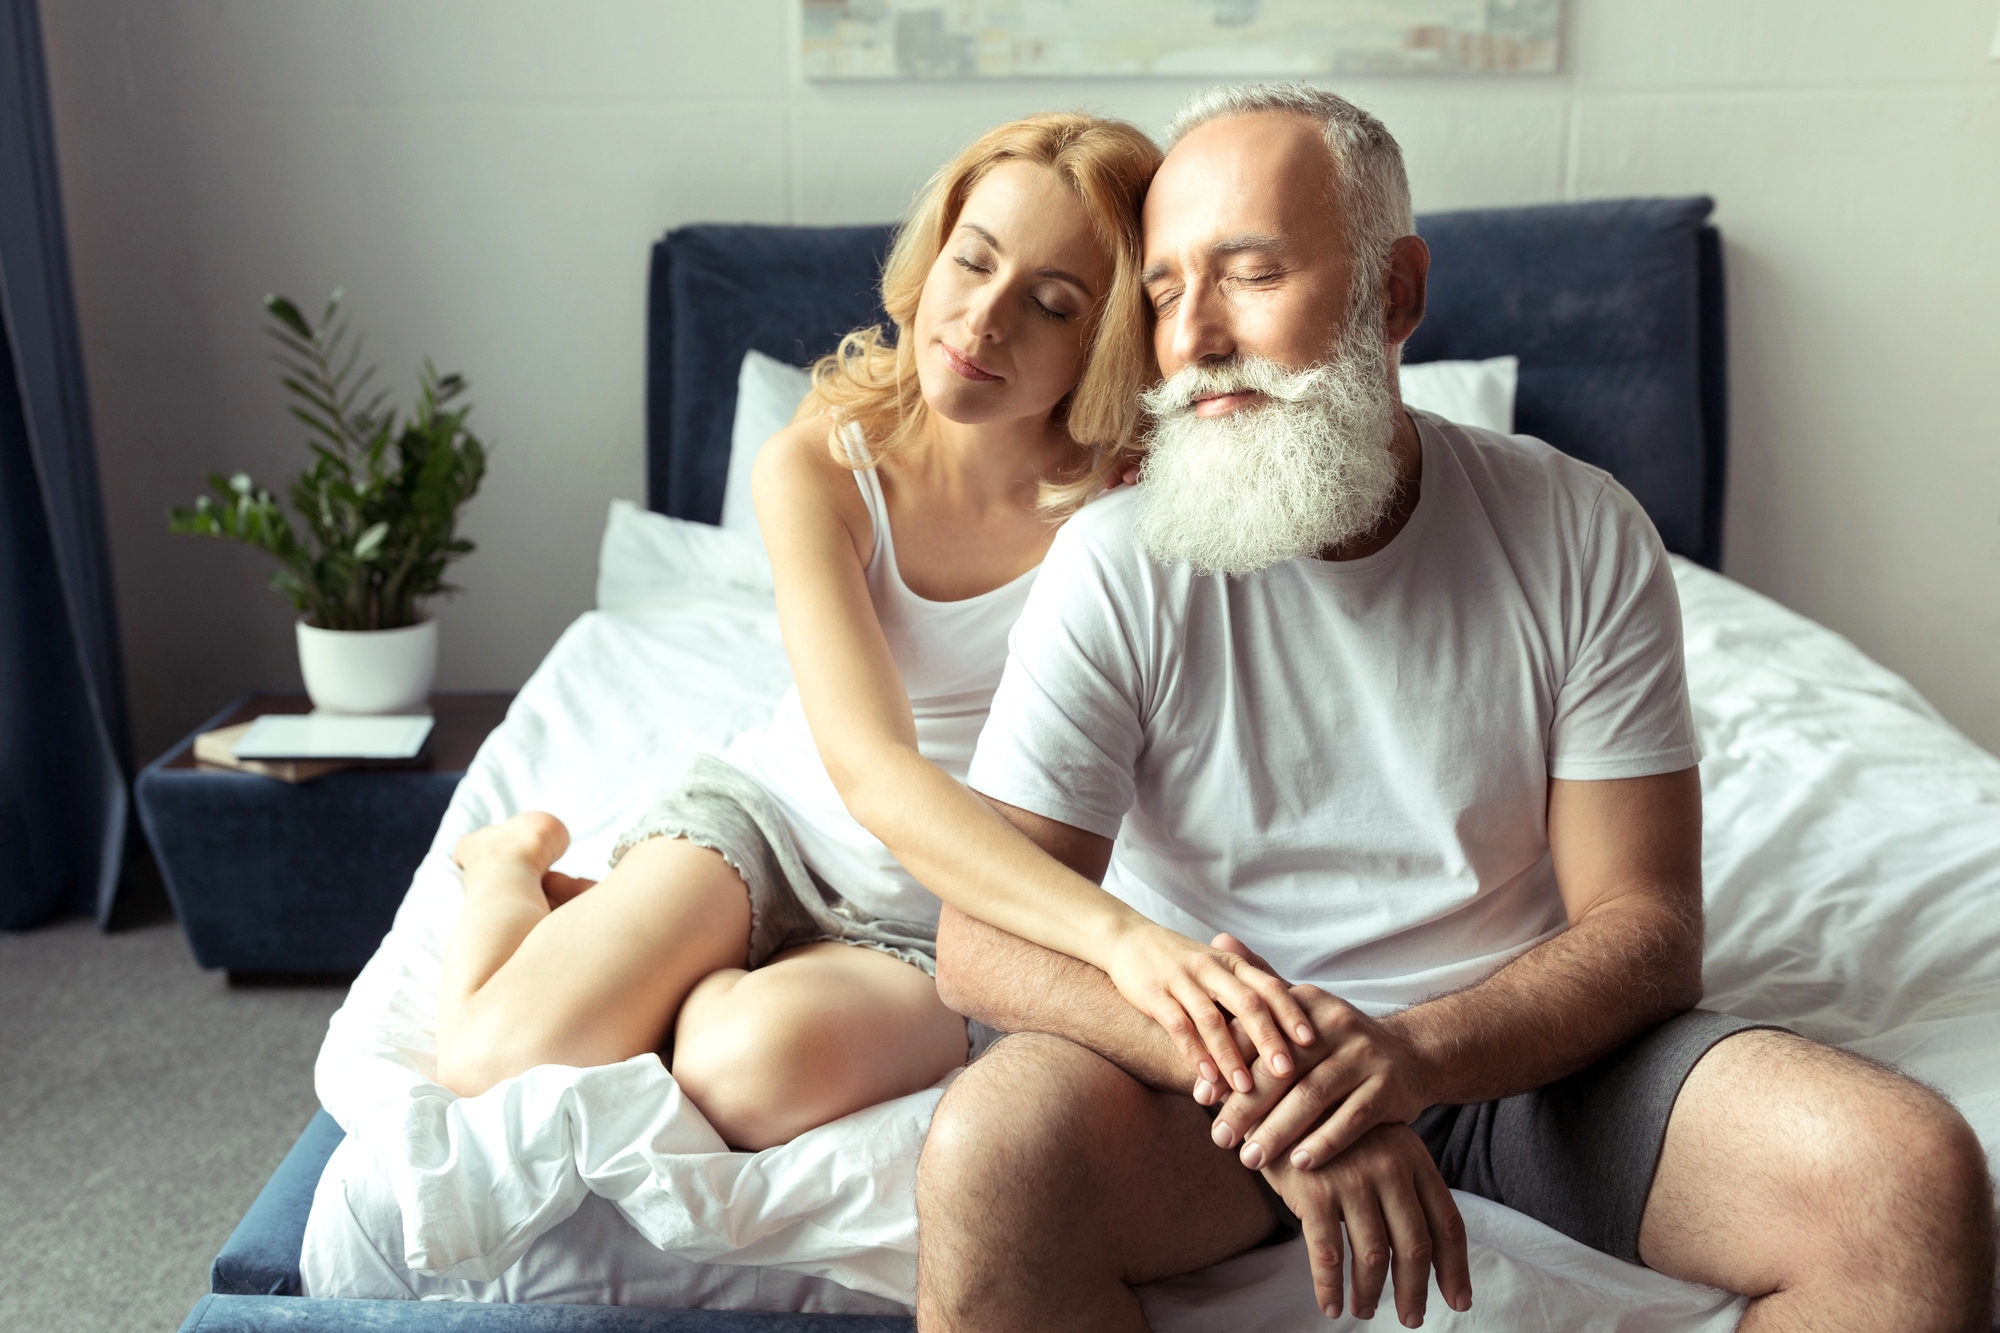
x=1853, y=878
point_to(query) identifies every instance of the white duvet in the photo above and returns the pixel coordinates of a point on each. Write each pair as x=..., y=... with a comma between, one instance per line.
x=1853, y=872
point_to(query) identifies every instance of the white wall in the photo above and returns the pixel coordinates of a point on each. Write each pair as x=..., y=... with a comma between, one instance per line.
x=484, y=177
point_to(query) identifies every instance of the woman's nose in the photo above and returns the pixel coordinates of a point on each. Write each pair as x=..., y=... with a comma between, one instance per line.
x=985, y=312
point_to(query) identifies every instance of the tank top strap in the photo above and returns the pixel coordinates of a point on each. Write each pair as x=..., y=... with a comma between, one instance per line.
x=856, y=445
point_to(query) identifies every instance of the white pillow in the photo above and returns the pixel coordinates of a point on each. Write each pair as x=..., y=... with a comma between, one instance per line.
x=1472, y=393
x=767, y=393
x=648, y=557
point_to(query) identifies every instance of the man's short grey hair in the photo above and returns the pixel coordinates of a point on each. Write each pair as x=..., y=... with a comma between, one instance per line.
x=1370, y=185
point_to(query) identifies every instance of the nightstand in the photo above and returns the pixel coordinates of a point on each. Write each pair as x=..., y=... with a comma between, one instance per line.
x=269, y=877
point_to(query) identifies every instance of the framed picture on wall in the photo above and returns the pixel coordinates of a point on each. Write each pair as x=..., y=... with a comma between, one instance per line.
x=1007, y=39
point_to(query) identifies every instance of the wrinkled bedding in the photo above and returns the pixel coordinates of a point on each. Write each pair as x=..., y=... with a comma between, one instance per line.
x=1853, y=878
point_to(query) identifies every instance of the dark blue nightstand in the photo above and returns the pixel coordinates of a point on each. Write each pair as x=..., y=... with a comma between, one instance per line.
x=272, y=878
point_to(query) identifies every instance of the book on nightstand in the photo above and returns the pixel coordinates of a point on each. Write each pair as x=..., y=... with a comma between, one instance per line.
x=298, y=748
x=217, y=749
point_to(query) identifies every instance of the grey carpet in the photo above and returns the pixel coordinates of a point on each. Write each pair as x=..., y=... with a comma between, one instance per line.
x=143, y=1102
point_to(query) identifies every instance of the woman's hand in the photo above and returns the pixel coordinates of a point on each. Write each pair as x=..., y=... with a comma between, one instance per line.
x=1191, y=990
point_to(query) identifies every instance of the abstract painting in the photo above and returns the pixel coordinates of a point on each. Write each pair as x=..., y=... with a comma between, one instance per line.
x=1007, y=39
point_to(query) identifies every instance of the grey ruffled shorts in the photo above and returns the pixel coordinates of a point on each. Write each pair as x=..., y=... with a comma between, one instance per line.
x=716, y=806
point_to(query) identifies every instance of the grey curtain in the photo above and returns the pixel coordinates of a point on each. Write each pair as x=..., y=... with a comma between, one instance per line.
x=64, y=756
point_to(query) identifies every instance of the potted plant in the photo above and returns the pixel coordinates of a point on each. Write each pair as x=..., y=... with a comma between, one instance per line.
x=373, y=520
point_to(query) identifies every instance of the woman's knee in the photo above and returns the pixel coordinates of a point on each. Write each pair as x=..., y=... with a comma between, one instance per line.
x=758, y=1065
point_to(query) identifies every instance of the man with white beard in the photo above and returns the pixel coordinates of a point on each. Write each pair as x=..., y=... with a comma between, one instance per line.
x=1398, y=708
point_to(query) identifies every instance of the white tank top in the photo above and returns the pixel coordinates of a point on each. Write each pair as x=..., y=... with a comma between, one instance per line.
x=950, y=656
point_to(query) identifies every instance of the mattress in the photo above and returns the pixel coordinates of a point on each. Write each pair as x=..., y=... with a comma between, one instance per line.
x=1852, y=862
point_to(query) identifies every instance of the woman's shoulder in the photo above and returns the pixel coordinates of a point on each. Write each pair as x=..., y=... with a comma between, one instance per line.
x=801, y=453
x=796, y=468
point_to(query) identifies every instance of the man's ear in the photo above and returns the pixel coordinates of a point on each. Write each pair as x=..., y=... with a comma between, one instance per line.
x=1406, y=281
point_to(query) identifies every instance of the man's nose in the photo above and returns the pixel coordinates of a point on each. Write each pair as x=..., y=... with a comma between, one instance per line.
x=1199, y=329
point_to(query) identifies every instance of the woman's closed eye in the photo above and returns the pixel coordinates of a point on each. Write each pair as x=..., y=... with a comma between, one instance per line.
x=1048, y=311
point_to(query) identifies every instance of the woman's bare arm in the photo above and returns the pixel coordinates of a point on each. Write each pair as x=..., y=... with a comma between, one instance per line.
x=817, y=530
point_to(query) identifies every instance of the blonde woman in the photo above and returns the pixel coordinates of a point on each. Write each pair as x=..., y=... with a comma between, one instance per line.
x=768, y=914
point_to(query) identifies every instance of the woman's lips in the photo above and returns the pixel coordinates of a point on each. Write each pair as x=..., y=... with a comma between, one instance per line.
x=965, y=365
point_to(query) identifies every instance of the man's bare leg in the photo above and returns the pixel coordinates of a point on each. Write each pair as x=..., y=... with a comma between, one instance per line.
x=1052, y=1181
x=1833, y=1192
x=594, y=982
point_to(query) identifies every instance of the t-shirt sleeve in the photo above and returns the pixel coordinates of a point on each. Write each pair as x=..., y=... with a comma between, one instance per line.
x=1622, y=710
x=1064, y=735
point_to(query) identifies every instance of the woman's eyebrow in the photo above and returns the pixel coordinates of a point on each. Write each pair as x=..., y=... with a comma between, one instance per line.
x=1064, y=275
x=1060, y=274
x=984, y=234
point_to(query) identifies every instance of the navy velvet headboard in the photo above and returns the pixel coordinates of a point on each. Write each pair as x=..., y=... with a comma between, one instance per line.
x=1615, y=309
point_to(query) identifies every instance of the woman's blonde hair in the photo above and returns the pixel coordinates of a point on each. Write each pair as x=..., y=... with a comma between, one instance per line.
x=871, y=382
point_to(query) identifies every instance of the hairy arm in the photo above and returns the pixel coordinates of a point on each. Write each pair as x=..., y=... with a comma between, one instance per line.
x=1627, y=860
x=1627, y=857
x=816, y=529
x=1014, y=985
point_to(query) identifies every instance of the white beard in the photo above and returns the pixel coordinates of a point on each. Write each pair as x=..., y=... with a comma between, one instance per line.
x=1309, y=469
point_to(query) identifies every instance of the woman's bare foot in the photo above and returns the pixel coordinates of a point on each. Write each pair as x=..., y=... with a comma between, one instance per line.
x=533, y=839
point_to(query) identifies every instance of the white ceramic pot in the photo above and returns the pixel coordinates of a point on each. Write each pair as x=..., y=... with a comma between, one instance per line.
x=369, y=671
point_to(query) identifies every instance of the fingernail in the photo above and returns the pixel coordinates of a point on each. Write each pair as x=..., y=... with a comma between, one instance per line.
x=1253, y=1156
x=1304, y=1034
x=1281, y=1064
x=1302, y=1159
x=1240, y=1080
x=1209, y=1071
x=1413, y=1321
x=1329, y=1312
x=1204, y=1091
x=1223, y=1135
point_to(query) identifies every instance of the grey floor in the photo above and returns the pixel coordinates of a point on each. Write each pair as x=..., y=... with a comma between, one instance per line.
x=143, y=1102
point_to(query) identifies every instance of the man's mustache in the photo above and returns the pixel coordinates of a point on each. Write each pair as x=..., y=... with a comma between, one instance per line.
x=1234, y=374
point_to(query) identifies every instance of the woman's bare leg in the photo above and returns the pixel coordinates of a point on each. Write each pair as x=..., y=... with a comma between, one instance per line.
x=595, y=982
x=817, y=1033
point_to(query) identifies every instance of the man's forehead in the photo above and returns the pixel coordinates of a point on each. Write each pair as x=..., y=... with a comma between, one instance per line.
x=1262, y=174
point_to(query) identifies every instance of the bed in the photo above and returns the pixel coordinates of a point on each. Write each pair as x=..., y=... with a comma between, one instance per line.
x=1852, y=862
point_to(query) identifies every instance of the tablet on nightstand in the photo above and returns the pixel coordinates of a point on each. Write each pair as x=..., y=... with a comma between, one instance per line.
x=334, y=736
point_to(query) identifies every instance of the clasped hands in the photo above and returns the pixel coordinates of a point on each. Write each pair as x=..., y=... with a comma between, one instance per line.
x=1324, y=1115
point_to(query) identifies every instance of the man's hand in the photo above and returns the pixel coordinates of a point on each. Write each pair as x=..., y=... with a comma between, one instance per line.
x=1357, y=1075
x=1399, y=1217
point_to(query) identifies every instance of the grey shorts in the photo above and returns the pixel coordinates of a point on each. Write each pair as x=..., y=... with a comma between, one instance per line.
x=716, y=806
x=1578, y=1155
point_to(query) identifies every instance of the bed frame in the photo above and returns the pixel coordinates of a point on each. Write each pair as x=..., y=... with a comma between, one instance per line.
x=1615, y=309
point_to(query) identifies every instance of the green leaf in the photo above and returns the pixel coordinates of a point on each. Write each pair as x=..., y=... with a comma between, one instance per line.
x=371, y=541
x=288, y=314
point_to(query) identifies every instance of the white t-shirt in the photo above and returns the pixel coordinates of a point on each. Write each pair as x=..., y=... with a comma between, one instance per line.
x=1346, y=763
